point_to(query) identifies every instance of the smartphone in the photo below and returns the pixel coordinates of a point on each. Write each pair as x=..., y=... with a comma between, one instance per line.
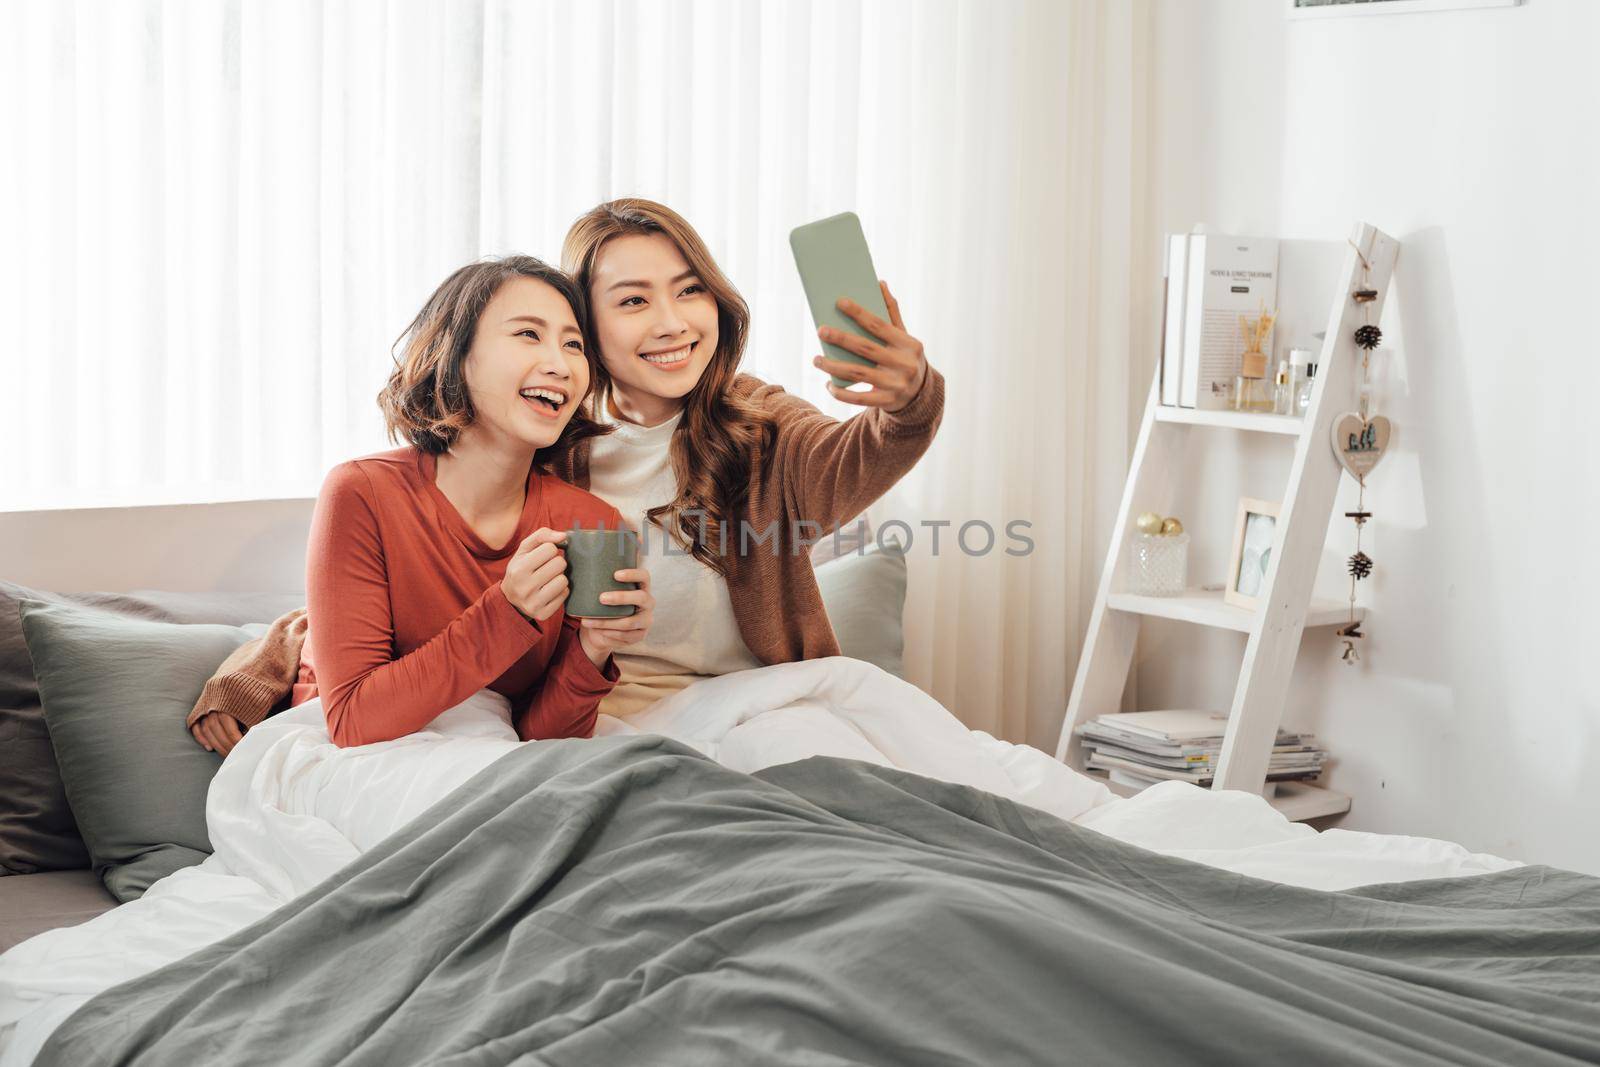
x=832, y=256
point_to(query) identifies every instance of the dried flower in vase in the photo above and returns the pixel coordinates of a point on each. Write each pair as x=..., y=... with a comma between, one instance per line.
x=1250, y=392
x=1255, y=330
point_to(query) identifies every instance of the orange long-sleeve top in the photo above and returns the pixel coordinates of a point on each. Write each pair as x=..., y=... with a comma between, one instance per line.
x=407, y=617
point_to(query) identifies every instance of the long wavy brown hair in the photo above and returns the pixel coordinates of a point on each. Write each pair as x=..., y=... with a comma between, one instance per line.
x=712, y=446
x=426, y=400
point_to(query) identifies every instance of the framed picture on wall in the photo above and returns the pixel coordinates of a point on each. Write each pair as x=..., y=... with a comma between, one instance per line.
x=1255, y=533
x=1304, y=9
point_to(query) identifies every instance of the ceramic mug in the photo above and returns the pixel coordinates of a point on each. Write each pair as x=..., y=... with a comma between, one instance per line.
x=592, y=557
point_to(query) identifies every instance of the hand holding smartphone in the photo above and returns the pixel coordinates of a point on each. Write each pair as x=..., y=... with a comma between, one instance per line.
x=834, y=262
x=865, y=340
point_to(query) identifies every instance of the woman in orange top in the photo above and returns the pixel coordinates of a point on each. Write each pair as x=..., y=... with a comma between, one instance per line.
x=435, y=570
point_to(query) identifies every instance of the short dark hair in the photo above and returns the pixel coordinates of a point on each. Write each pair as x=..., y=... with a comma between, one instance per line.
x=425, y=399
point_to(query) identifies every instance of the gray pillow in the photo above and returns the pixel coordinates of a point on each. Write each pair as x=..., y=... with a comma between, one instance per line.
x=37, y=831
x=866, y=598
x=116, y=692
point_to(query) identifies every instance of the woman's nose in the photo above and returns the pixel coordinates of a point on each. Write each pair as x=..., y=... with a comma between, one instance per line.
x=552, y=362
x=670, y=323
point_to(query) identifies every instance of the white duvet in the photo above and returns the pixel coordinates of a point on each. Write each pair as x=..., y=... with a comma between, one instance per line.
x=287, y=808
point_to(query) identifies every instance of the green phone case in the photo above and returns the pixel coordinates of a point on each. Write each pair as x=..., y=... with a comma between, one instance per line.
x=833, y=260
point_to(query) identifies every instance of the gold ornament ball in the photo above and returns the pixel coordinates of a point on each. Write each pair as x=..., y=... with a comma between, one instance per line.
x=1148, y=523
x=1171, y=528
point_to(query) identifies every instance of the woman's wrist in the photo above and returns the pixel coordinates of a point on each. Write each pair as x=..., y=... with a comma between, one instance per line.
x=518, y=608
x=916, y=390
x=597, y=656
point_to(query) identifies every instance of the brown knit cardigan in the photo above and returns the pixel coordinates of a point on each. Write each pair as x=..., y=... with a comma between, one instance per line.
x=820, y=470
x=257, y=674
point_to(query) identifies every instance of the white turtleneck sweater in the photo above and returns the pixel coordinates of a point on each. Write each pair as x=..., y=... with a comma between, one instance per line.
x=694, y=634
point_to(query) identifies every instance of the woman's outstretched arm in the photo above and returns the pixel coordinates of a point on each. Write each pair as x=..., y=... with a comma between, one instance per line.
x=828, y=470
x=831, y=470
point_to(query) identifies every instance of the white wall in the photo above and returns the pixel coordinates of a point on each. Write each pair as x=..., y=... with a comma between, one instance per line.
x=1473, y=137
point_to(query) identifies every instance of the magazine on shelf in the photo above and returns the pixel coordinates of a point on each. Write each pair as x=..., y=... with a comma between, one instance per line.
x=1229, y=277
x=1291, y=756
x=1172, y=320
x=1097, y=762
x=1130, y=780
x=1176, y=725
x=1186, y=745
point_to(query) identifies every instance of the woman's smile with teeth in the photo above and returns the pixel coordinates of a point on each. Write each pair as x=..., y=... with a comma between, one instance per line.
x=670, y=357
x=545, y=401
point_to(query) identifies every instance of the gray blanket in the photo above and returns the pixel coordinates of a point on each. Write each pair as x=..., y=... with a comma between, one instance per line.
x=625, y=900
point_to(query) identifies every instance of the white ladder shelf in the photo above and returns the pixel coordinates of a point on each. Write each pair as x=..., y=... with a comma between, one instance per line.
x=1285, y=608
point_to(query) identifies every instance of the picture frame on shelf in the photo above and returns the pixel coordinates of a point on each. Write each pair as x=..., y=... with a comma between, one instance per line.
x=1255, y=538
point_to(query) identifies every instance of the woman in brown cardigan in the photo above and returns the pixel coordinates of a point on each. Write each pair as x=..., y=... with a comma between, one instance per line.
x=733, y=477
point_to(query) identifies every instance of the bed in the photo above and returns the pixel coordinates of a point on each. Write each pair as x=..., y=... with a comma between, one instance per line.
x=811, y=863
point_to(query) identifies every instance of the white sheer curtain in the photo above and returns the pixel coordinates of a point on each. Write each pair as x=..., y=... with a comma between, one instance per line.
x=218, y=215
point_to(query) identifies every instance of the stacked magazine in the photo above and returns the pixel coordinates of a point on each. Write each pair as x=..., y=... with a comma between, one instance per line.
x=1212, y=280
x=1140, y=748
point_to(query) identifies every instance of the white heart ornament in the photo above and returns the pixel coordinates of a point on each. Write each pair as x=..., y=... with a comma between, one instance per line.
x=1360, y=443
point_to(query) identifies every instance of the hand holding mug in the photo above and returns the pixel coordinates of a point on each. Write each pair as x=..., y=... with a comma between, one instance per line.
x=601, y=637
x=602, y=564
x=535, y=581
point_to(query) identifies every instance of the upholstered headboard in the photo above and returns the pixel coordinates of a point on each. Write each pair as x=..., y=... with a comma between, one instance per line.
x=235, y=547
x=248, y=546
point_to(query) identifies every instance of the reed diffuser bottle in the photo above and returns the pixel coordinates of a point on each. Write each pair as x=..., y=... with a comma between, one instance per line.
x=1251, y=389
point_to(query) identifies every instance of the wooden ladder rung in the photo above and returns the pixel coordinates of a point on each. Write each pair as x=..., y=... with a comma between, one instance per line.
x=1289, y=425
x=1205, y=608
x=1299, y=801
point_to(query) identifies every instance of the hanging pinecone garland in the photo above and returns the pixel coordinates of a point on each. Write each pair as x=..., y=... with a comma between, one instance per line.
x=1367, y=337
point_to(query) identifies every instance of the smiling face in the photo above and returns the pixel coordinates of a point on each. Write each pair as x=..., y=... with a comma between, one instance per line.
x=655, y=323
x=526, y=371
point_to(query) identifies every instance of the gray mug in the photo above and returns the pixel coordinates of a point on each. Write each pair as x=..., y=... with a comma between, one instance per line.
x=592, y=557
